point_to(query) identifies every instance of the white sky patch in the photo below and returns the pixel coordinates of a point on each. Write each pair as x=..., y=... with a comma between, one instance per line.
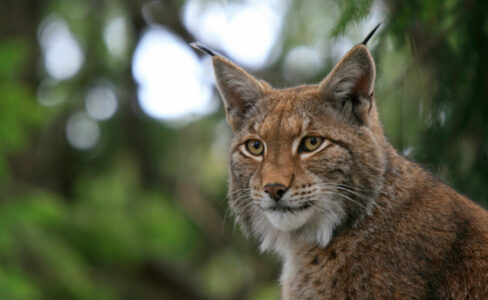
x=247, y=30
x=346, y=42
x=171, y=78
x=376, y=16
x=63, y=56
x=340, y=47
x=301, y=64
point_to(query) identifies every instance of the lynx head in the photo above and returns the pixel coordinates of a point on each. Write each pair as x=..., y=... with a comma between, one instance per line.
x=304, y=160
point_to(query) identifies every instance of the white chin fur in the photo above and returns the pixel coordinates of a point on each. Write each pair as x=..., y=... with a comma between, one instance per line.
x=280, y=231
x=288, y=221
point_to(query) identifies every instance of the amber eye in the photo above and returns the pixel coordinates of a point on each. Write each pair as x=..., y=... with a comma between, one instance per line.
x=311, y=143
x=255, y=147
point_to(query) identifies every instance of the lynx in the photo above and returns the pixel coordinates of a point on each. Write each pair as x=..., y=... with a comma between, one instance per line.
x=314, y=179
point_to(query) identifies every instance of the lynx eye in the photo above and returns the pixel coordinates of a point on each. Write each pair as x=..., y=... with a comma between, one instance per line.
x=311, y=143
x=255, y=147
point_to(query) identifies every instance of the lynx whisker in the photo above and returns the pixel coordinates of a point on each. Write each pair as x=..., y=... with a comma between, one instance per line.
x=347, y=189
x=331, y=193
x=342, y=185
x=237, y=196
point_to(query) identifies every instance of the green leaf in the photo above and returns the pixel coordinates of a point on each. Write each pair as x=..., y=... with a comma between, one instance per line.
x=351, y=12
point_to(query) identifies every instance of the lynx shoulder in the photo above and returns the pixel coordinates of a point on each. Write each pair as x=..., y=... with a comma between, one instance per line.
x=313, y=178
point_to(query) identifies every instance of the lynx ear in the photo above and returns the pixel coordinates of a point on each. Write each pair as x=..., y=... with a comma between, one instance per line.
x=349, y=86
x=239, y=89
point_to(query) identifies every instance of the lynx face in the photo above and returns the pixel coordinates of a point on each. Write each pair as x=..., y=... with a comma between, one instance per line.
x=297, y=169
x=303, y=160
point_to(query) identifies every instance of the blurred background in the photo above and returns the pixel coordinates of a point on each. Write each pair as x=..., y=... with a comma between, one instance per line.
x=113, y=140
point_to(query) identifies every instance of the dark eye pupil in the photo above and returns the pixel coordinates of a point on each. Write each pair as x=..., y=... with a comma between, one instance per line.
x=256, y=144
x=313, y=141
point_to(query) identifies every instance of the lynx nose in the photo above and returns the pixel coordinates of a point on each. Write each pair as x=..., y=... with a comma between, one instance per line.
x=275, y=190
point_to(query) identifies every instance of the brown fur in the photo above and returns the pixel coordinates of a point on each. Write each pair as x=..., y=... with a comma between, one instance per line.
x=396, y=232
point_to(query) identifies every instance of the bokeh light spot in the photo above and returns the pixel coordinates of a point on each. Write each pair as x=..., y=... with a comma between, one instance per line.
x=47, y=92
x=101, y=103
x=63, y=56
x=82, y=132
x=115, y=36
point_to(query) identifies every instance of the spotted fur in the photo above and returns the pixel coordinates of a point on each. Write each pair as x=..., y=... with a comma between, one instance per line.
x=357, y=220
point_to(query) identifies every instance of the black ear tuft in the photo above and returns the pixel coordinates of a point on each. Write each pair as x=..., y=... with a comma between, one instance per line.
x=201, y=47
x=370, y=34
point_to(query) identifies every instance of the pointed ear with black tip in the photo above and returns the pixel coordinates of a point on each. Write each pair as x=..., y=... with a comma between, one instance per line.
x=370, y=35
x=239, y=90
x=349, y=86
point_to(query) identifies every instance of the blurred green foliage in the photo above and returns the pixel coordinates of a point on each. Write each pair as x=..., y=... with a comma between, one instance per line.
x=19, y=110
x=142, y=214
